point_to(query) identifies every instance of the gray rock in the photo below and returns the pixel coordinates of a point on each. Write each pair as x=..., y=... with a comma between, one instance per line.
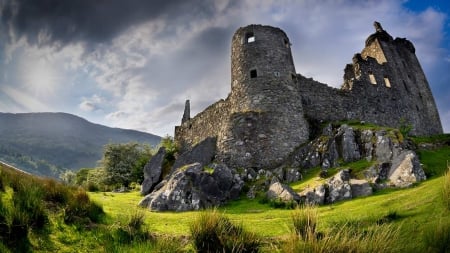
x=360, y=188
x=339, y=187
x=383, y=147
x=292, y=175
x=202, y=153
x=349, y=148
x=315, y=196
x=191, y=187
x=282, y=192
x=406, y=170
x=152, y=171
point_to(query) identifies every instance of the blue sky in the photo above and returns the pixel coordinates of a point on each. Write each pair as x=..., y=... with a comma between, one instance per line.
x=132, y=64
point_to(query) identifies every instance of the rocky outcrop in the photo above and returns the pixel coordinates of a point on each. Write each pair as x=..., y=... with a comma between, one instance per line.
x=337, y=188
x=152, y=171
x=202, y=153
x=278, y=191
x=386, y=148
x=194, y=187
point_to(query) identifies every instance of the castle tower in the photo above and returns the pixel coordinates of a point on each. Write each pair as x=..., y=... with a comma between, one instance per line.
x=392, y=85
x=266, y=120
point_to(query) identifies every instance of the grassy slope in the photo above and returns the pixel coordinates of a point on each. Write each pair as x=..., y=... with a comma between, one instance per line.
x=418, y=209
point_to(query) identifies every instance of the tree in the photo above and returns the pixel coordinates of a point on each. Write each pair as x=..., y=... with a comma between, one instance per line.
x=124, y=163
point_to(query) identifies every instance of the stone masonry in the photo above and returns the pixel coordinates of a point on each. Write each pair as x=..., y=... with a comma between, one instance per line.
x=271, y=109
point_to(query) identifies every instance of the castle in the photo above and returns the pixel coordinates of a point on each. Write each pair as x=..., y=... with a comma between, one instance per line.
x=272, y=110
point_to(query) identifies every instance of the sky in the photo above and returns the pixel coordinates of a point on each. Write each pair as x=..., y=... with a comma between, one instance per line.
x=132, y=64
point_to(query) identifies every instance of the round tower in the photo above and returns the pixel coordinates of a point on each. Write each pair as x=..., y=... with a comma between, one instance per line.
x=261, y=61
x=266, y=121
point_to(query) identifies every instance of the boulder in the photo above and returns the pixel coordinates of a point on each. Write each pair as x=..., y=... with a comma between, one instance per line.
x=194, y=187
x=282, y=192
x=315, y=196
x=349, y=148
x=339, y=187
x=152, y=171
x=383, y=147
x=202, y=153
x=360, y=188
x=406, y=170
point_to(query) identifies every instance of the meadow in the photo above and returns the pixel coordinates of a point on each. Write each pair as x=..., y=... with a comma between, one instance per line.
x=42, y=215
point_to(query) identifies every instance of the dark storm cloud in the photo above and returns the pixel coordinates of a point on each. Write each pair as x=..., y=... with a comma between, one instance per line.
x=91, y=21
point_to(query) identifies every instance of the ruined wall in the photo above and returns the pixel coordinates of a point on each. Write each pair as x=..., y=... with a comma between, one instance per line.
x=265, y=116
x=205, y=124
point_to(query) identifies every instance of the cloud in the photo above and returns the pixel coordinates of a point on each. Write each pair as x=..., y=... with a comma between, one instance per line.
x=92, y=104
x=25, y=100
x=144, y=58
x=63, y=22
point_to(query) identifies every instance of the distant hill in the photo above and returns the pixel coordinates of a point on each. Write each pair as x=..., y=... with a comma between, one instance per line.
x=48, y=143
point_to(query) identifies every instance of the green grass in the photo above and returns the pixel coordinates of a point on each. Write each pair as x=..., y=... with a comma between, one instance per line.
x=416, y=217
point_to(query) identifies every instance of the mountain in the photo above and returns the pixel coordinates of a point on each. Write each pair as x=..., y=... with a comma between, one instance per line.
x=49, y=143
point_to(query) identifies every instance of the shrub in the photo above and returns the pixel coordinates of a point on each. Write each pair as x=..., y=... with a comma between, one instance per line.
x=81, y=210
x=214, y=232
x=305, y=220
x=437, y=238
x=29, y=209
x=446, y=187
x=131, y=230
x=55, y=192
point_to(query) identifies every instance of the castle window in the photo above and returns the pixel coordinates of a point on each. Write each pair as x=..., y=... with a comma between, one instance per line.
x=406, y=87
x=249, y=37
x=286, y=43
x=253, y=73
x=417, y=108
x=294, y=77
x=372, y=78
x=276, y=73
x=387, y=82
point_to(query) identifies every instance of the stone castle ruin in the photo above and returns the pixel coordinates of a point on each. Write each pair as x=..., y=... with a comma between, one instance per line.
x=272, y=110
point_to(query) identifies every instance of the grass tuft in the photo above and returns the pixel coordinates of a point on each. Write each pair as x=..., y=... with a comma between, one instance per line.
x=305, y=220
x=214, y=232
x=437, y=238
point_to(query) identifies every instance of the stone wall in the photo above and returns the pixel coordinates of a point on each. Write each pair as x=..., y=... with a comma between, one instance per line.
x=265, y=116
x=205, y=124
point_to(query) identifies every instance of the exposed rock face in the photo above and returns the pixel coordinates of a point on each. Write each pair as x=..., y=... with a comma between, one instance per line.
x=202, y=153
x=193, y=187
x=152, y=171
x=406, y=170
x=339, y=187
x=282, y=192
x=315, y=196
x=360, y=188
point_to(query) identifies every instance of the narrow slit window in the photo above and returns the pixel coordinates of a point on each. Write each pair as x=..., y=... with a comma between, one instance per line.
x=253, y=73
x=249, y=37
x=276, y=73
x=372, y=78
x=387, y=82
x=406, y=87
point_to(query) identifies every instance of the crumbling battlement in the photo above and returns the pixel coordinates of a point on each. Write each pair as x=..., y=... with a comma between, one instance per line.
x=267, y=114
